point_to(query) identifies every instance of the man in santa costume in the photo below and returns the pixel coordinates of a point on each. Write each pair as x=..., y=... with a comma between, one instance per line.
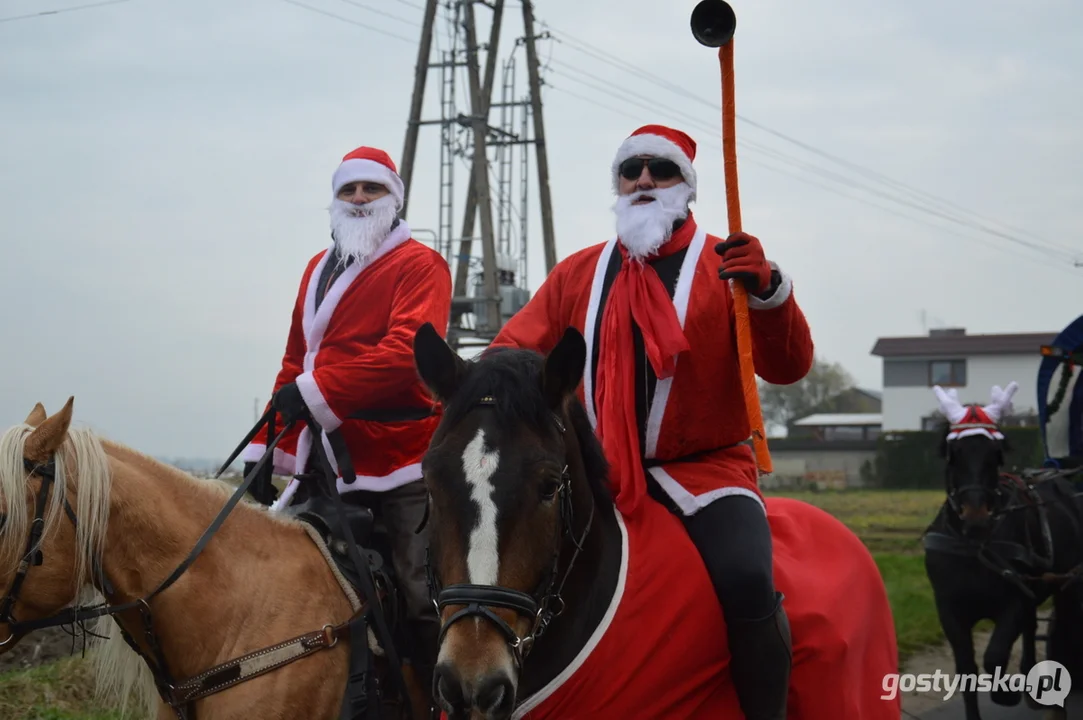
x=663, y=389
x=349, y=365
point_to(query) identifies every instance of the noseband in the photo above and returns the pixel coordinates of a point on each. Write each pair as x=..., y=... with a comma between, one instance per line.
x=542, y=606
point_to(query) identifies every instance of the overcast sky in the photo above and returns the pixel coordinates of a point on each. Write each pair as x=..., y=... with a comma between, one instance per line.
x=165, y=170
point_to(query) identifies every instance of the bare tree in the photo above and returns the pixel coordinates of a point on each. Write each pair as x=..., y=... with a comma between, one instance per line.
x=782, y=403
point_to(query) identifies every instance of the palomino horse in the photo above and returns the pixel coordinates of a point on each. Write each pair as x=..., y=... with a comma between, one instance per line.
x=999, y=547
x=259, y=625
x=555, y=606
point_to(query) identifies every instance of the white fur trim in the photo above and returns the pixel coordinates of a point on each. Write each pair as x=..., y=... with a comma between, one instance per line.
x=691, y=504
x=397, y=478
x=659, y=147
x=990, y=433
x=781, y=295
x=284, y=462
x=566, y=674
x=314, y=323
x=359, y=170
x=317, y=403
x=593, y=306
x=681, y=297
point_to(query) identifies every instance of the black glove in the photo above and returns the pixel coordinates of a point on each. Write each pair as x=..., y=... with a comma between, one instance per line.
x=289, y=403
x=262, y=489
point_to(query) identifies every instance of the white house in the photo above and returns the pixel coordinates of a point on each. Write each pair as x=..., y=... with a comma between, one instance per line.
x=950, y=357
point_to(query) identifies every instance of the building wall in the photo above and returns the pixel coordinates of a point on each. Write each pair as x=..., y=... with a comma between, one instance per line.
x=818, y=463
x=908, y=396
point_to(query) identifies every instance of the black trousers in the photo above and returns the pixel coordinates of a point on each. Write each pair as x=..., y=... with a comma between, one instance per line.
x=734, y=539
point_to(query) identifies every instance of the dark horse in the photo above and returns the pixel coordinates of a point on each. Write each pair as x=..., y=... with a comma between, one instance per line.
x=999, y=547
x=555, y=606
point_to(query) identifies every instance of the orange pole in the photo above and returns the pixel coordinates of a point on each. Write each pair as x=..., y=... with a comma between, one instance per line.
x=740, y=294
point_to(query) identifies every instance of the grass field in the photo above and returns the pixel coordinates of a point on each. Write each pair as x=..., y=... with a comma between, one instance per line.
x=889, y=522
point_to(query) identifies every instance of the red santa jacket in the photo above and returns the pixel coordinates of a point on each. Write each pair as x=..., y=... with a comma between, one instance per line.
x=354, y=355
x=696, y=419
x=660, y=651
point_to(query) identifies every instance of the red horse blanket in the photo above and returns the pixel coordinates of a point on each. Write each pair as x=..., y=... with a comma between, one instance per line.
x=661, y=650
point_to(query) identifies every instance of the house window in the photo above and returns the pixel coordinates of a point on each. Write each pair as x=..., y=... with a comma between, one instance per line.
x=948, y=373
x=843, y=432
x=932, y=423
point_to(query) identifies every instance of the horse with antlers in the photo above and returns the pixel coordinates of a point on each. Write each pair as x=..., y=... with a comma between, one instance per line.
x=999, y=547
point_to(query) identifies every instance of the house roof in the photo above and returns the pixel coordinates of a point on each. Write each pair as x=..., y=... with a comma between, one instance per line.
x=823, y=419
x=956, y=342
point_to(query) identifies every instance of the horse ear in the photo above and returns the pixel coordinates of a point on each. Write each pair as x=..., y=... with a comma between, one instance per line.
x=37, y=416
x=564, y=367
x=437, y=364
x=49, y=435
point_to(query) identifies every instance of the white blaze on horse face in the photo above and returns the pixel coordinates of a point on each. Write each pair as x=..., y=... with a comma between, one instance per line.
x=483, y=559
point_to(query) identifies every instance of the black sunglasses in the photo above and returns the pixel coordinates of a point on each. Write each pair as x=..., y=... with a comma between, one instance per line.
x=660, y=168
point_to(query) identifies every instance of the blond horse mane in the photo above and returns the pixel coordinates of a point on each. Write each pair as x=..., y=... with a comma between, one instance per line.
x=122, y=676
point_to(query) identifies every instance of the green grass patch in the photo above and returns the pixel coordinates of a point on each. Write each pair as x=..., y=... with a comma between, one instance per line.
x=911, y=598
x=888, y=521
x=63, y=690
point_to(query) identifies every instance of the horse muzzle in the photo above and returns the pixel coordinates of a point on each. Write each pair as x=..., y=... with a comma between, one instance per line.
x=492, y=695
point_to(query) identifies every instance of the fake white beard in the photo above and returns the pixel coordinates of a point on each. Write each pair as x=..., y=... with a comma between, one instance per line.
x=359, y=229
x=643, y=229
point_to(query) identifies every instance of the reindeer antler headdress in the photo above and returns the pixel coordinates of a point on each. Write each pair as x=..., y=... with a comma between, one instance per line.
x=976, y=420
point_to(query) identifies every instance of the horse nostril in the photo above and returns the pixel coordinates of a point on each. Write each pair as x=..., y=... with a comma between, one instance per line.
x=448, y=689
x=495, y=696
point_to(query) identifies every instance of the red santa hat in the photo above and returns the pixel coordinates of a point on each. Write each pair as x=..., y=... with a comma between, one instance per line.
x=659, y=141
x=371, y=165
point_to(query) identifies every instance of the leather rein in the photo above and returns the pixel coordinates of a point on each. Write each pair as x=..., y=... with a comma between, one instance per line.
x=542, y=606
x=177, y=695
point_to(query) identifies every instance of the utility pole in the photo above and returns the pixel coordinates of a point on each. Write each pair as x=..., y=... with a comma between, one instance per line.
x=421, y=72
x=539, y=139
x=480, y=120
x=489, y=266
x=466, y=242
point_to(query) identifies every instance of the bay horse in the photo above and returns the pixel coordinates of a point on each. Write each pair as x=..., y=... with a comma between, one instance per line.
x=259, y=624
x=554, y=605
x=1000, y=546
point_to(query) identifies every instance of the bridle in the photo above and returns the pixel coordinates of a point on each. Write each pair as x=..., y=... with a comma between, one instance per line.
x=994, y=496
x=33, y=556
x=545, y=604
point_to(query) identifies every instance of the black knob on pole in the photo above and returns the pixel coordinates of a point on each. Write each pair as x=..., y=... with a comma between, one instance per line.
x=713, y=22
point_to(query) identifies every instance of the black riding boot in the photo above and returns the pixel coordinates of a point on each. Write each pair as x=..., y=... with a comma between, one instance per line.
x=761, y=656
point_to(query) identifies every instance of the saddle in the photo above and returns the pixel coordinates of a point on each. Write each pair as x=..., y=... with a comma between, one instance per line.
x=320, y=512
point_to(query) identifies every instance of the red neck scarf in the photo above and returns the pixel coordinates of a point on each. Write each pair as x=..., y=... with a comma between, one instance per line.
x=638, y=295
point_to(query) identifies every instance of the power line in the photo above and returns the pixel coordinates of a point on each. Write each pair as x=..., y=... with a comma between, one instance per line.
x=351, y=22
x=354, y=3
x=641, y=73
x=60, y=11
x=837, y=191
x=919, y=200
x=650, y=104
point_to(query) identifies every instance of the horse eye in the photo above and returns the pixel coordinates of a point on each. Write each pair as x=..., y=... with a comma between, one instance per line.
x=550, y=488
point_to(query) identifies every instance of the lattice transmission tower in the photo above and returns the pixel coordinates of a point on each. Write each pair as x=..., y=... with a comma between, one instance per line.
x=488, y=258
